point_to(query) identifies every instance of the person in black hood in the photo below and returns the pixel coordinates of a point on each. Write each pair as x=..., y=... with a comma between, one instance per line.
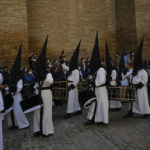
x=15, y=86
x=98, y=111
x=73, y=81
x=140, y=80
x=43, y=123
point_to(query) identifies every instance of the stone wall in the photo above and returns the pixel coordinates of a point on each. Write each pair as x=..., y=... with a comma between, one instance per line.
x=68, y=21
x=143, y=24
x=121, y=22
x=125, y=25
x=13, y=30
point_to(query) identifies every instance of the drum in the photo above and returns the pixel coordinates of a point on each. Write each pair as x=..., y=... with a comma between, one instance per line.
x=31, y=104
x=121, y=93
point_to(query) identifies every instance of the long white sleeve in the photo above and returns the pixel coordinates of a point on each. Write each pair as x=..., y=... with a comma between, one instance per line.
x=114, y=75
x=74, y=77
x=142, y=76
x=1, y=78
x=19, y=86
x=77, y=77
x=1, y=102
x=101, y=77
x=66, y=68
x=49, y=78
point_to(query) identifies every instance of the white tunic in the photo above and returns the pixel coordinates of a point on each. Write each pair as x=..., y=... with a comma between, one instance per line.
x=114, y=104
x=73, y=101
x=46, y=95
x=101, y=97
x=141, y=105
x=125, y=81
x=1, y=108
x=20, y=118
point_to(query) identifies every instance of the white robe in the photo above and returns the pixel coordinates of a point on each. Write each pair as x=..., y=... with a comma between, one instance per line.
x=73, y=100
x=101, y=114
x=125, y=81
x=47, y=122
x=141, y=105
x=1, y=108
x=114, y=104
x=19, y=116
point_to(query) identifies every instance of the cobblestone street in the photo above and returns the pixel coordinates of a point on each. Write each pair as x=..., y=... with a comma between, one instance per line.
x=71, y=134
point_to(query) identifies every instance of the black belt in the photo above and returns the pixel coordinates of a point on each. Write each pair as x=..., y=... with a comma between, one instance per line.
x=45, y=88
x=101, y=85
x=70, y=81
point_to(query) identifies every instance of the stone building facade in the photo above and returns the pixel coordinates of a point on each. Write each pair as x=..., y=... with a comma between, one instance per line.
x=121, y=22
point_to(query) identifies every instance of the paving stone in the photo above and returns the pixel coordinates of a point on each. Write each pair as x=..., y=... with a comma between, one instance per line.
x=71, y=134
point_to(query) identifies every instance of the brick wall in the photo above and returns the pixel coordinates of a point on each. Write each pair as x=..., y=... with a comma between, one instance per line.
x=13, y=30
x=125, y=25
x=143, y=24
x=68, y=21
x=121, y=22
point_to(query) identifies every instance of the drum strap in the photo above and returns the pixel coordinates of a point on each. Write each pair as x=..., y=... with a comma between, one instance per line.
x=93, y=118
x=41, y=111
x=12, y=118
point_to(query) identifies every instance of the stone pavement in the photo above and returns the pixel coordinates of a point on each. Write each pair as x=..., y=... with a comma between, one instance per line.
x=71, y=134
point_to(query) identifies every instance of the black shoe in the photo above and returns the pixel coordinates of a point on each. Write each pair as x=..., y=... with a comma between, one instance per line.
x=13, y=128
x=37, y=134
x=25, y=128
x=88, y=122
x=118, y=109
x=78, y=112
x=101, y=123
x=115, y=109
x=46, y=136
x=67, y=116
x=129, y=115
x=145, y=116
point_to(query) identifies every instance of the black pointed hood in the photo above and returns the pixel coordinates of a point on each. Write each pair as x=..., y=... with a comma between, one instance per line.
x=95, y=62
x=41, y=63
x=16, y=73
x=109, y=66
x=138, y=63
x=74, y=59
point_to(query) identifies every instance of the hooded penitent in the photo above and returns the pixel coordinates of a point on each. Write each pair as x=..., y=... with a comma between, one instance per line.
x=16, y=73
x=138, y=63
x=74, y=59
x=95, y=62
x=41, y=64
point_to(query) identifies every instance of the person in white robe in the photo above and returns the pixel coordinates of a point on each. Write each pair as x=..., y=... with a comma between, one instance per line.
x=141, y=105
x=15, y=85
x=1, y=109
x=44, y=124
x=101, y=97
x=73, y=79
x=114, y=104
x=20, y=119
x=139, y=80
x=99, y=110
